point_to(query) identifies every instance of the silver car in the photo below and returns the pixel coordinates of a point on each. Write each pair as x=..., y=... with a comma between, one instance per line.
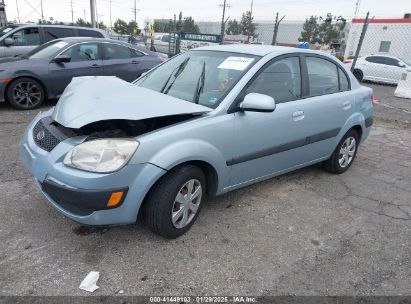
x=204, y=123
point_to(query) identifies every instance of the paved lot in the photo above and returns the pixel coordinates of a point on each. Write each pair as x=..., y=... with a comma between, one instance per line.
x=305, y=233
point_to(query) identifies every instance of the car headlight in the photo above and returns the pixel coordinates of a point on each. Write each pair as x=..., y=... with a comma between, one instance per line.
x=102, y=155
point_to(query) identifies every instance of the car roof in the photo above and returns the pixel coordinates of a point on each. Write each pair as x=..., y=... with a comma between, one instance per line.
x=85, y=39
x=256, y=49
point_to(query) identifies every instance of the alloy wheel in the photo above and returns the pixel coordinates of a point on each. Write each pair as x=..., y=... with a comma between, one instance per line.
x=347, y=151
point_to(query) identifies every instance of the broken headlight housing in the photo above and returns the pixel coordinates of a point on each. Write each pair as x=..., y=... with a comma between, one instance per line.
x=102, y=155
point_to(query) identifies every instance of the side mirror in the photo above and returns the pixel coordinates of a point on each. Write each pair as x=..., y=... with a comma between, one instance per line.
x=8, y=41
x=255, y=102
x=402, y=64
x=62, y=59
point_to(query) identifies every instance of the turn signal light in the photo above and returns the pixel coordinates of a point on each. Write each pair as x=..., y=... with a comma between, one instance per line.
x=115, y=199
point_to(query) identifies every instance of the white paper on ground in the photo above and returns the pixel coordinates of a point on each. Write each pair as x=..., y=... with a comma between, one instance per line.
x=90, y=281
x=235, y=63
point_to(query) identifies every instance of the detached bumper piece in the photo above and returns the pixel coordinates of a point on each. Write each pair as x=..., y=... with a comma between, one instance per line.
x=81, y=201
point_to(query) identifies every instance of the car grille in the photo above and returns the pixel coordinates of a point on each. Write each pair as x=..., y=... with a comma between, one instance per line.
x=43, y=137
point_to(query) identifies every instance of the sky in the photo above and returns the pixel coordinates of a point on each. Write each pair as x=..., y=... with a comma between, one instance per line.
x=204, y=10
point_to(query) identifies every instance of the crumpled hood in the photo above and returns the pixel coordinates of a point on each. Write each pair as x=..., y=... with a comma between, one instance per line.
x=94, y=98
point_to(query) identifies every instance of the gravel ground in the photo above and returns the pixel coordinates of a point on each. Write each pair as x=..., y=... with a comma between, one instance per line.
x=304, y=233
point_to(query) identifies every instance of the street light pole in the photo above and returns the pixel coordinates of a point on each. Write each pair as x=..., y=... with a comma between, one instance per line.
x=223, y=23
x=93, y=13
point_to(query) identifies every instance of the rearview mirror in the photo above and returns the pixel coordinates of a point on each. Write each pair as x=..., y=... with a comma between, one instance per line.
x=8, y=41
x=255, y=102
x=62, y=59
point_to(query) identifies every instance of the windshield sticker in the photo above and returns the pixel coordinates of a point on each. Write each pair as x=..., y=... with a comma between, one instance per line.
x=213, y=100
x=235, y=63
x=60, y=44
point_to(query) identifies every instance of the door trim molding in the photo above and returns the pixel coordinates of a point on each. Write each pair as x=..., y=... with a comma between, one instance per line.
x=285, y=147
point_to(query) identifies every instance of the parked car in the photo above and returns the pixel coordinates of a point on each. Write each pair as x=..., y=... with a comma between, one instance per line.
x=204, y=123
x=381, y=68
x=26, y=81
x=19, y=39
x=160, y=43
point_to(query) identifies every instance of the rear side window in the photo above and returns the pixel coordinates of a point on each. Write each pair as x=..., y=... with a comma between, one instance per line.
x=116, y=51
x=322, y=76
x=89, y=33
x=375, y=59
x=280, y=80
x=52, y=33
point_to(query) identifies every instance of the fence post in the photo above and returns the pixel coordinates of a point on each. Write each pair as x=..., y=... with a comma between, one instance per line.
x=357, y=51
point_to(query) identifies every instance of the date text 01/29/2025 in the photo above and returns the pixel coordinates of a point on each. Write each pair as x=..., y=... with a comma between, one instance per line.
x=203, y=299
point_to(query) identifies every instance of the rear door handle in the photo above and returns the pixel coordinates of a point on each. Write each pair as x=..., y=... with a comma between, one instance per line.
x=298, y=115
x=135, y=62
x=95, y=65
x=346, y=105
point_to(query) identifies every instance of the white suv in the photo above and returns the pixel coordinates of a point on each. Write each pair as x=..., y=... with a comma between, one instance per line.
x=381, y=68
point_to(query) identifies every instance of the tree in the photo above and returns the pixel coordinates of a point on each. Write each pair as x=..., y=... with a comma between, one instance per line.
x=233, y=28
x=82, y=22
x=120, y=26
x=310, y=31
x=323, y=30
x=132, y=28
x=162, y=26
x=247, y=25
x=190, y=26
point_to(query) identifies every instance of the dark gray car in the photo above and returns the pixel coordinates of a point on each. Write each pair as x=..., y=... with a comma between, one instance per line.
x=26, y=81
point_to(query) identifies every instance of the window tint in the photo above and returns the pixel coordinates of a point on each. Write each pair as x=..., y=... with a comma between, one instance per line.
x=322, y=76
x=52, y=33
x=27, y=36
x=344, y=83
x=392, y=61
x=375, y=59
x=280, y=80
x=116, y=51
x=385, y=46
x=83, y=52
x=89, y=33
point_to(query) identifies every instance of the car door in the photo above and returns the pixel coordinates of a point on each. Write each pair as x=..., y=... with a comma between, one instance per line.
x=85, y=61
x=122, y=61
x=330, y=104
x=24, y=39
x=373, y=68
x=266, y=143
x=393, y=70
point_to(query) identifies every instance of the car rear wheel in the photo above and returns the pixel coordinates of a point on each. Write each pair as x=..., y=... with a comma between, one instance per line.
x=25, y=93
x=358, y=74
x=344, y=154
x=174, y=202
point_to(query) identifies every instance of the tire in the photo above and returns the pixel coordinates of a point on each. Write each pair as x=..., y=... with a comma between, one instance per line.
x=161, y=202
x=359, y=75
x=341, y=161
x=25, y=93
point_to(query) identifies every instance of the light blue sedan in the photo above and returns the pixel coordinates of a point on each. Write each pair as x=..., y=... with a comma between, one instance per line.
x=204, y=123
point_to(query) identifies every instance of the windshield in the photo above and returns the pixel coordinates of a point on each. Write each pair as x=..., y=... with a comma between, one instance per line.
x=46, y=50
x=4, y=30
x=203, y=77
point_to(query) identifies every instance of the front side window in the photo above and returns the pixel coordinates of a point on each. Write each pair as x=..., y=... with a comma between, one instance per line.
x=83, y=52
x=322, y=76
x=280, y=80
x=203, y=77
x=165, y=38
x=116, y=51
x=26, y=37
x=392, y=61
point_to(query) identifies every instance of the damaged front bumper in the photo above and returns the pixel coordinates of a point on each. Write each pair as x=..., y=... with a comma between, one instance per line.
x=83, y=196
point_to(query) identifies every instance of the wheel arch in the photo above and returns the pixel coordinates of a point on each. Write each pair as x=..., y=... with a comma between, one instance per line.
x=43, y=86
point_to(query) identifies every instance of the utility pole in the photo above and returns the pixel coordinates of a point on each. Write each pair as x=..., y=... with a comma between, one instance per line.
x=72, y=11
x=276, y=26
x=85, y=17
x=223, y=21
x=18, y=11
x=111, y=21
x=42, y=15
x=357, y=51
x=93, y=13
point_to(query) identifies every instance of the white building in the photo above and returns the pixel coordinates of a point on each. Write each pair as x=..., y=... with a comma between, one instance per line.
x=383, y=36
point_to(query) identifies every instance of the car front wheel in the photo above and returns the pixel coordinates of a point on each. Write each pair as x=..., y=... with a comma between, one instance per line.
x=174, y=202
x=344, y=154
x=25, y=93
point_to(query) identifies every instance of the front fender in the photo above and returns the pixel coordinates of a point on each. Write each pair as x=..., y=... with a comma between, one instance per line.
x=192, y=150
